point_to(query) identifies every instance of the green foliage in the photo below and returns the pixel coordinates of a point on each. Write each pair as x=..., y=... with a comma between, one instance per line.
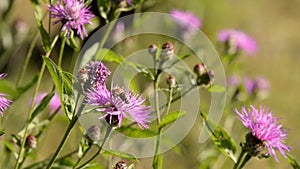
x=136, y=132
x=104, y=7
x=42, y=105
x=215, y=88
x=107, y=55
x=1, y=132
x=293, y=162
x=63, y=83
x=220, y=138
x=170, y=118
x=120, y=154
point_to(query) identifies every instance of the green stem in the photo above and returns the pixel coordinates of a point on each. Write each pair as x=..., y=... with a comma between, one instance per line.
x=62, y=143
x=169, y=100
x=108, y=131
x=246, y=159
x=239, y=159
x=83, y=155
x=27, y=59
x=61, y=52
x=21, y=150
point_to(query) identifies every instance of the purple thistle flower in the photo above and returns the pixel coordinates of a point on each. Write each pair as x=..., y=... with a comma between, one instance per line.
x=250, y=85
x=238, y=39
x=258, y=85
x=95, y=73
x=233, y=81
x=4, y=102
x=263, y=126
x=118, y=103
x=73, y=14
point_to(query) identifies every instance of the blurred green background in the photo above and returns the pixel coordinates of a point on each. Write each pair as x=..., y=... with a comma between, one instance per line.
x=274, y=25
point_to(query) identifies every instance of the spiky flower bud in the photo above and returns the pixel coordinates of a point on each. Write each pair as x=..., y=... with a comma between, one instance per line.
x=31, y=142
x=171, y=81
x=167, y=52
x=94, y=133
x=121, y=165
x=200, y=69
x=152, y=49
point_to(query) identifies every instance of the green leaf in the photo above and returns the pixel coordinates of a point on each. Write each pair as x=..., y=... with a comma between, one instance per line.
x=42, y=105
x=293, y=162
x=216, y=88
x=107, y=55
x=136, y=132
x=170, y=118
x=1, y=132
x=120, y=154
x=62, y=83
x=9, y=145
x=184, y=56
x=46, y=42
x=221, y=138
x=144, y=70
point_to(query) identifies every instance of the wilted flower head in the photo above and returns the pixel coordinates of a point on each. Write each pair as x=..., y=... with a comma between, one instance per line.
x=73, y=14
x=95, y=73
x=4, y=102
x=117, y=103
x=237, y=40
x=265, y=131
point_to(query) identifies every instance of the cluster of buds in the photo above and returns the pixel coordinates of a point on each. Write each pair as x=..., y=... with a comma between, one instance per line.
x=204, y=77
x=167, y=51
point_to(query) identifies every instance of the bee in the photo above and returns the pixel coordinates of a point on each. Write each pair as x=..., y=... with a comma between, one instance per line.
x=119, y=92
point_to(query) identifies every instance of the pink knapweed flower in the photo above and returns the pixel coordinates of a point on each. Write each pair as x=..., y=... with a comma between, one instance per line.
x=73, y=14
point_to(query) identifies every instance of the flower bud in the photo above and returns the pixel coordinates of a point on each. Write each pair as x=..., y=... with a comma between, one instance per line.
x=152, y=49
x=167, y=52
x=94, y=133
x=121, y=165
x=200, y=69
x=31, y=142
x=253, y=145
x=171, y=81
x=206, y=79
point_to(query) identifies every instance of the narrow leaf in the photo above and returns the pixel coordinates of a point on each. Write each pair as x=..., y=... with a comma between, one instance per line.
x=120, y=154
x=216, y=88
x=221, y=138
x=46, y=42
x=136, y=132
x=170, y=118
x=27, y=86
x=293, y=162
x=107, y=55
x=131, y=166
x=42, y=105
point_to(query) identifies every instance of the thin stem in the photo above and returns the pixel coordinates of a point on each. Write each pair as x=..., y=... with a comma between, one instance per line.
x=169, y=100
x=21, y=151
x=27, y=59
x=108, y=131
x=83, y=155
x=62, y=143
x=246, y=159
x=61, y=51
x=239, y=159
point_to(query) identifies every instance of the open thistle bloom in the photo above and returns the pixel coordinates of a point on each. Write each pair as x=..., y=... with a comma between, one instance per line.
x=265, y=132
x=73, y=14
x=237, y=40
x=117, y=103
x=4, y=102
